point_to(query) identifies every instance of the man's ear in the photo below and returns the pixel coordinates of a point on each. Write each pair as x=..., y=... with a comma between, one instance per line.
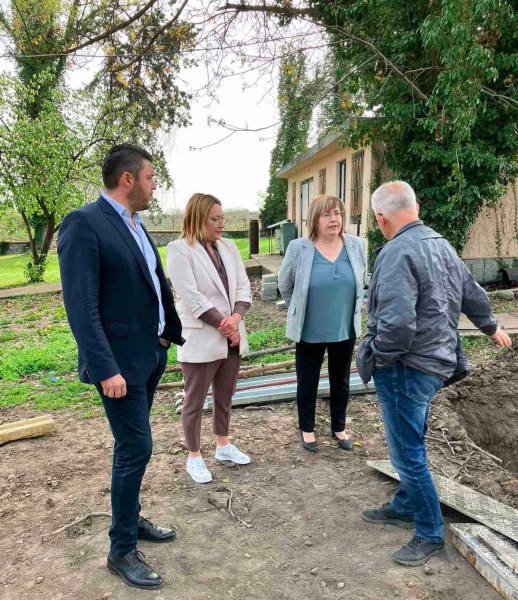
x=382, y=219
x=126, y=179
x=417, y=207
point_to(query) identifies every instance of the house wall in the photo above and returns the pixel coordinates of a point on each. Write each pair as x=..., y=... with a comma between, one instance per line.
x=480, y=254
x=483, y=236
x=330, y=161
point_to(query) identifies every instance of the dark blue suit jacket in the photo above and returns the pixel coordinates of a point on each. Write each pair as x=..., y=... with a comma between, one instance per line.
x=109, y=296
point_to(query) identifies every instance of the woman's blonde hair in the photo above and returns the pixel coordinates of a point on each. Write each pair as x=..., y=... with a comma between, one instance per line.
x=196, y=213
x=317, y=206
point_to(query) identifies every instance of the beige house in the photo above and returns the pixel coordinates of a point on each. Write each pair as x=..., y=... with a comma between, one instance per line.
x=350, y=174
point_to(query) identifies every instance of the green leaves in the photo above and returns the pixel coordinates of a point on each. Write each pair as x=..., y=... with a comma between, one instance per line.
x=458, y=147
x=295, y=98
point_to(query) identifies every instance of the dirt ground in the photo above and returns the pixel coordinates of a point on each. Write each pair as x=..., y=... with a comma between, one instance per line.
x=296, y=531
x=305, y=538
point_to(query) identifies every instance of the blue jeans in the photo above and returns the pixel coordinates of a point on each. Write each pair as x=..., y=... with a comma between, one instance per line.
x=405, y=395
x=129, y=422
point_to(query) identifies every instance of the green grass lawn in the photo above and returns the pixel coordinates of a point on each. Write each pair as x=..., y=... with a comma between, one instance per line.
x=12, y=267
x=38, y=356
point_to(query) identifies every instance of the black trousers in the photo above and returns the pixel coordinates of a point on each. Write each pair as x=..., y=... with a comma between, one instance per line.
x=308, y=360
x=129, y=422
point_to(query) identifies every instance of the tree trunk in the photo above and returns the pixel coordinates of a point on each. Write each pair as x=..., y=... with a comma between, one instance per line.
x=49, y=235
x=32, y=241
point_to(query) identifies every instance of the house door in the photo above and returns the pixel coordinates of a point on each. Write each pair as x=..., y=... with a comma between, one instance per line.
x=306, y=194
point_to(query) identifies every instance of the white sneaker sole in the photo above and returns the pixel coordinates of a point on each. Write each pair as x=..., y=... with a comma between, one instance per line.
x=199, y=480
x=229, y=460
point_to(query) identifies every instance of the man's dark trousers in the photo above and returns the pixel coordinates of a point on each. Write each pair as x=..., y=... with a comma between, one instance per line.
x=129, y=422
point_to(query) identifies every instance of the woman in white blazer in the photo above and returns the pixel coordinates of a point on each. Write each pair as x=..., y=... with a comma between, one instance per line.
x=321, y=279
x=209, y=278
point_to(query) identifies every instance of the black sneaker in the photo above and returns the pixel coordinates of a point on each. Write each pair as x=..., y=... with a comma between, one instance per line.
x=384, y=514
x=417, y=552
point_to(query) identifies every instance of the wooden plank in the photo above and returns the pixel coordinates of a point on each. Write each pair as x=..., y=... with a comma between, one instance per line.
x=482, y=508
x=485, y=561
x=504, y=548
x=26, y=429
x=507, y=321
x=5, y=426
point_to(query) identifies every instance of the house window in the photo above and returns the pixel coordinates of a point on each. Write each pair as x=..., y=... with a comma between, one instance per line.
x=294, y=201
x=322, y=181
x=306, y=194
x=356, y=187
x=341, y=179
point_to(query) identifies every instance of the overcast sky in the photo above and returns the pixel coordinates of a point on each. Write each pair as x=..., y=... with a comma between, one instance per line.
x=236, y=169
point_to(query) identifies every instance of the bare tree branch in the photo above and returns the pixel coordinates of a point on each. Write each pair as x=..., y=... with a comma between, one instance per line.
x=113, y=30
x=25, y=26
x=165, y=27
x=235, y=129
x=303, y=13
x=264, y=8
x=507, y=100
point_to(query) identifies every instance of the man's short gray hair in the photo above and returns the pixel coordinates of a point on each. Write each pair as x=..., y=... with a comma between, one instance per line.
x=392, y=197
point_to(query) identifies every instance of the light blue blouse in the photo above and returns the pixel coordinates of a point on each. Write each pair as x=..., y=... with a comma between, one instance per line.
x=331, y=300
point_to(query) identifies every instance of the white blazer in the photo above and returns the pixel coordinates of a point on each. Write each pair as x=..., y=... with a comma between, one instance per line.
x=199, y=288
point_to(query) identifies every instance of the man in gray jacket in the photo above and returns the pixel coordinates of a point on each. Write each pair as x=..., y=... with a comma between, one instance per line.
x=412, y=349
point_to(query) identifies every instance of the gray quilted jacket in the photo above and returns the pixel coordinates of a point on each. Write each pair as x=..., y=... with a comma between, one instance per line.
x=418, y=289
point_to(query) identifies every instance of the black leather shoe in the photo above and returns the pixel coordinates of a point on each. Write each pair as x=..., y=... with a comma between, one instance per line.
x=151, y=533
x=134, y=570
x=346, y=444
x=309, y=446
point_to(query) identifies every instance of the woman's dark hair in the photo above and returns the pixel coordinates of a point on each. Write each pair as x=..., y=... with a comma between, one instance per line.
x=120, y=159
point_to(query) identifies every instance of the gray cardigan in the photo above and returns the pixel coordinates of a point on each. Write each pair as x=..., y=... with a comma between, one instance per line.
x=295, y=274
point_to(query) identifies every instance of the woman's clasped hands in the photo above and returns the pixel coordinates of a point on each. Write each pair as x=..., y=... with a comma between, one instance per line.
x=229, y=327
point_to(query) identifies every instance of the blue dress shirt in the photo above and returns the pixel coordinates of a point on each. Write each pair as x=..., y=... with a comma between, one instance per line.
x=146, y=248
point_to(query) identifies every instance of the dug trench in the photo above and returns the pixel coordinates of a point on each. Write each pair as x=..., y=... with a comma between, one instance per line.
x=487, y=405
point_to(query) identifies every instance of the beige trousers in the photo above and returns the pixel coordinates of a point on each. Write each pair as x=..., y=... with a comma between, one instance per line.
x=198, y=377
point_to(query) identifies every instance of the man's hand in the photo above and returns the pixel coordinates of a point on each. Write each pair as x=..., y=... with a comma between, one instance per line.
x=114, y=387
x=502, y=339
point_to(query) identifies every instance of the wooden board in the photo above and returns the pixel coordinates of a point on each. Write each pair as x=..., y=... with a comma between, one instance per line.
x=482, y=508
x=504, y=548
x=467, y=541
x=26, y=429
x=507, y=321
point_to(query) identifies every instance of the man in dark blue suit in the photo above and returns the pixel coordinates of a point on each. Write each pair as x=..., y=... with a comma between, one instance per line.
x=122, y=314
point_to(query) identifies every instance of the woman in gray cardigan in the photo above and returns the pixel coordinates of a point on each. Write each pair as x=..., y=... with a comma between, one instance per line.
x=321, y=279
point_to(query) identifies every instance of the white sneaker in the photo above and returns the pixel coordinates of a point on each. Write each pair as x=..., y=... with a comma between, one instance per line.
x=197, y=470
x=231, y=454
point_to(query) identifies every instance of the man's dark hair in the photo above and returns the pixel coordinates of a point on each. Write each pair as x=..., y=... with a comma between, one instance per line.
x=121, y=158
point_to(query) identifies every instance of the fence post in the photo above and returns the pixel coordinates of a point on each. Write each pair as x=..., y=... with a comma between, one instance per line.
x=253, y=236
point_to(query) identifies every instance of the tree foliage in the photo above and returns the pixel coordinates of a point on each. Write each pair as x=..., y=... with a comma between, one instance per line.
x=48, y=161
x=51, y=137
x=293, y=99
x=435, y=81
x=448, y=122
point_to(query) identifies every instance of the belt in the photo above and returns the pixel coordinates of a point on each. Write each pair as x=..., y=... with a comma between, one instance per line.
x=163, y=342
